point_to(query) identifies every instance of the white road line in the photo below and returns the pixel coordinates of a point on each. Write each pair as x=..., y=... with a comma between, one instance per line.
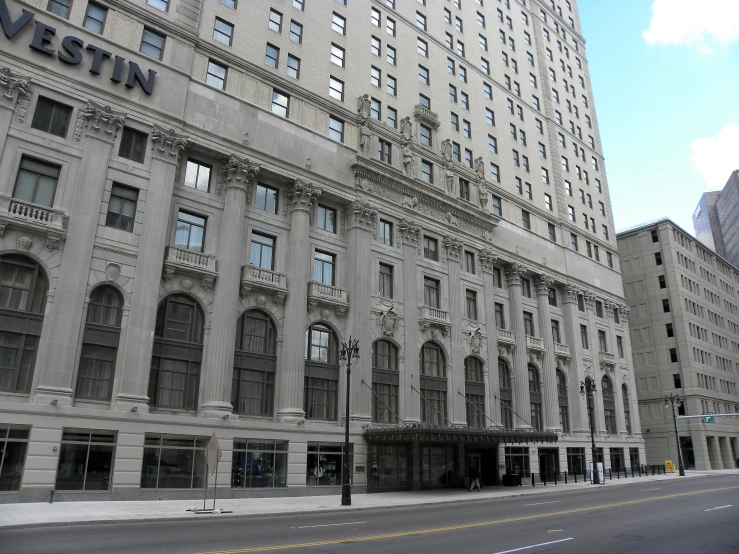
x=540, y=503
x=533, y=546
x=329, y=525
x=718, y=508
x=656, y=489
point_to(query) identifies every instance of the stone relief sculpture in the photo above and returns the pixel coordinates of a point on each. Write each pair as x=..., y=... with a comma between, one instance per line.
x=363, y=107
x=365, y=133
x=475, y=341
x=406, y=129
x=388, y=322
x=408, y=165
x=480, y=168
x=452, y=219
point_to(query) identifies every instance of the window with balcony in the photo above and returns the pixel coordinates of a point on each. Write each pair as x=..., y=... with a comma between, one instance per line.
x=190, y=231
x=36, y=181
x=262, y=251
x=323, y=268
x=431, y=293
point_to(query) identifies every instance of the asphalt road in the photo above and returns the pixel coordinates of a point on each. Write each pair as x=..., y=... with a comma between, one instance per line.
x=690, y=516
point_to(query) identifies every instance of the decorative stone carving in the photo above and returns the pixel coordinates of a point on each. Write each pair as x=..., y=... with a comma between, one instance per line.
x=410, y=202
x=3, y=225
x=408, y=164
x=543, y=282
x=623, y=311
x=167, y=144
x=186, y=284
x=452, y=219
x=480, y=168
x=24, y=243
x=14, y=87
x=571, y=293
x=364, y=215
x=365, y=137
x=487, y=259
x=406, y=130
x=388, y=322
x=308, y=164
x=112, y=271
x=589, y=299
x=302, y=195
x=100, y=120
x=454, y=249
x=237, y=173
x=261, y=301
x=610, y=306
x=450, y=180
x=482, y=195
x=446, y=150
x=207, y=283
x=364, y=106
x=410, y=232
x=514, y=272
x=53, y=240
x=476, y=341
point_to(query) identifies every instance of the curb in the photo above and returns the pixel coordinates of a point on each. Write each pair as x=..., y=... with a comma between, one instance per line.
x=220, y=517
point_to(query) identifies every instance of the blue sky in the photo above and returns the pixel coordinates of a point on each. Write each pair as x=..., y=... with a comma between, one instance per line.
x=667, y=103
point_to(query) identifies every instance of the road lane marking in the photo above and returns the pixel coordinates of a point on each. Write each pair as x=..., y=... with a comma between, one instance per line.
x=465, y=525
x=718, y=508
x=540, y=503
x=655, y=489
x=329, y=525
x=534, y=546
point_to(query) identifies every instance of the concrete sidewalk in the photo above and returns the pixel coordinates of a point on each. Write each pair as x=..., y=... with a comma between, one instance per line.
x=82, y=513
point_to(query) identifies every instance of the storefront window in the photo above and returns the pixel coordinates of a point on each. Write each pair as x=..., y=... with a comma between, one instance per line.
x=438, y=466
x=576, y=460
x=13, y=446
x=326, y=463
x=85, y=460
x=173, y=462
x=258, y=463
x=617, y=459
x=634, y=457
x=517, y=461
x=388, y=467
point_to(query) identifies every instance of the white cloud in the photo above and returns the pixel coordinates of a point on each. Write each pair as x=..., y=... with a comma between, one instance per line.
x=687, y=22
x=716, y=157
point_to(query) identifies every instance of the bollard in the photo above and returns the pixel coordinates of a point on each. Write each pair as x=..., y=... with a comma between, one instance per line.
x=575, y=474
x=565, y=477
x=533, y=479
x=610, y=474
x=618, y=473
x=639, y=470
x=584, y=475
x=543, y=478
x=51, y=496
x=555, y=477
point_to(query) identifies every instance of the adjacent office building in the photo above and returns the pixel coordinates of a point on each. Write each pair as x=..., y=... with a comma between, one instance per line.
x=204, y=199
x=684, y=319
x=716, y=220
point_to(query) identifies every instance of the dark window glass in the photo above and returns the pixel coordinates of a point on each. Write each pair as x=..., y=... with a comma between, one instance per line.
x=197, y=175
x=320, y=394
x=59, y=7
x=326, y=219
x=133, y=145
x=252, y=389
x=13, y=447
x=122, y=208
x=36, y=181
x=51, y=117
x=385, y=380
x=386, y=232
x=174, y=462
x=386, y=281
x=431, y=293
x=259, y=464
x=85, y=460
x=266, y=199
x=431, y=248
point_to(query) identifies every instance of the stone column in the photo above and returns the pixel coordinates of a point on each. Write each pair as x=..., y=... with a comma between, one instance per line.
x=235, y=180
x=521, y=398
x=575, y=371
x=609, y=306
x=548, y=361
x=599, y=417
x=361, y=224
x=166, y=147
x=492, y=386
x=410, y=236
x=57, y=365
x=457, y=404
x=299, y=200
x=15, y=96
x=623, y=311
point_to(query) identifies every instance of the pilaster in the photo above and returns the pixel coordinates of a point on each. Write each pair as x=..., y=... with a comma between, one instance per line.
x=409, y=234
x=15, y=95
x=548, y=362
x=623, y=312
x=577, y=409
x=490, y=372
x=599, y=416
x=521, y=398
x=457, y=404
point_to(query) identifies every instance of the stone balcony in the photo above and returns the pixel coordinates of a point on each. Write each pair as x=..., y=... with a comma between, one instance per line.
x=425, y=115
x=329, y=297
x=34, y=219
x=434, y=317
x=506, y=336
x=534, y=343
x=561, y=350
x=202, y=266
x=607, y=360
x=256, y=279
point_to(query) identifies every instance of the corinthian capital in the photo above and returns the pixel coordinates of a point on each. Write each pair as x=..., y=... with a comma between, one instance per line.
x=572, y=293
x=363, y=215
x=237, y=173
x=543, y=282
x=101, y=121
x=13, y=87
x=453, y=249
x=589, y=299
x=514, y=272
x=167, y=144
x=487, y=259
x=302, y=195
x=410, y=232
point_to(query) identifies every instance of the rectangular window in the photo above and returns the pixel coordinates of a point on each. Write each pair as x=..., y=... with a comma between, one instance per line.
x=497, y=206
x=13, y=447
x=620, y=346
x=266, y=199
x=471, y=298
x=275, y=21
x=425, y=133
x=173, y=462
x=469, y=262
x=336, y=89
x=464, y=185
x=375, y=16
x=85, y=460
x=296, y=32
x=431, y=248
x=337, y=55
x=384, y=151
x=499, y=316
x=133, y=145
x=548, y=202
x=36, y=181
x=62, y=7
x=602, y=344
x=526, y=287
x=420, y=20
x=555, y=332
x=323, y=268
x=280, y=103
x=391, y=55
x=326, y=219
x=390, y=26
x=526, y=219
x=258, y=463
x=392, y=117
x=122, y=208
x=386, y=232
x=391, y=85
x=528, y=323
x=431, y=293
x=386, y=281
x=272, y=56
x=326, y=460
x=216, y=75
x=95, y=17
x=152, y=44
x=51, y=117
x=190, y=231
x=495, y=173
x=422, y=47
x=262, y=251
x=375, y=76
x=223, y=31
x=552, y=232
x=293, y=66
x=584, y=337
x=335, y=129
x=338, y=24
x=427, y=171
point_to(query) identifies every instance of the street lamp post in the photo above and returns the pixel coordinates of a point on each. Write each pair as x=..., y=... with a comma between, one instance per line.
x=349, y=352
x=674, y=400
x=588, y=388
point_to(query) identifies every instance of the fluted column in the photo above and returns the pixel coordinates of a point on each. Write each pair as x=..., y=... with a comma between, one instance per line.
x=410, y=235
x=457, y=404
x=166, y=146
x=521, y=398
x=361, y=224
x=599, y=416
x=548, y=362
x=609, y=306
x=58, y=360
x=575, y=371
x=299, y=199
x=235, y=181
x=15, y=96
x=623, y=311
x=490, y=371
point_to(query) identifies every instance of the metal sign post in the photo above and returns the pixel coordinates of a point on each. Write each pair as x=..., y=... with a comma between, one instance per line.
x=212, y=457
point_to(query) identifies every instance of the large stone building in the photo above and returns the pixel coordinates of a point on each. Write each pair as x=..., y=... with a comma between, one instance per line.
x=684, y=322
x=716, y=220
x=183, y=252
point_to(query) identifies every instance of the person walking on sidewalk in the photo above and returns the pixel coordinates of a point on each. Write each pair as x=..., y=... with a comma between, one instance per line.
x=475, y=478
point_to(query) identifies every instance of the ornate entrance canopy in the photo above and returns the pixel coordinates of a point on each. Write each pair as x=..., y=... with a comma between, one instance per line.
x=435, y=433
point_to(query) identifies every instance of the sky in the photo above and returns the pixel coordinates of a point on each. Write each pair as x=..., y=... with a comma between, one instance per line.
x=665, y=78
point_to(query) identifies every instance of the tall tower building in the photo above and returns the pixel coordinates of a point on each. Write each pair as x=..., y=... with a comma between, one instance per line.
x=204, y=199
x=716, y=220
x=706, y=223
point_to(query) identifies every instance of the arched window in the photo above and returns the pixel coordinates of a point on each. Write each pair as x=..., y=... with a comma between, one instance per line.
x=627, y=410
x=535, y=398
x=321, y=384
x=252, y=391
x=100, y=344
x=433, y=385
x=564, y=419
x=506, y=394
x=609, y=405
x=385, y=381
x=23, y=287
x=177, y=354
x=474, y=390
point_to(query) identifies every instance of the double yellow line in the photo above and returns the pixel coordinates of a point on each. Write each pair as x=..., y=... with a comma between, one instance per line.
x=465, y=526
